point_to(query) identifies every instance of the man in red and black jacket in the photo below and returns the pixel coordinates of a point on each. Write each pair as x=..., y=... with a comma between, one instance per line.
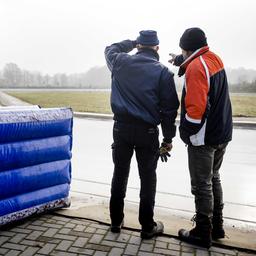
x=206, y=127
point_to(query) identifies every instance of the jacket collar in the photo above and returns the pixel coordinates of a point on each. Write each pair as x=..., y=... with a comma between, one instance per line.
x=149, y=52
x=193, y=56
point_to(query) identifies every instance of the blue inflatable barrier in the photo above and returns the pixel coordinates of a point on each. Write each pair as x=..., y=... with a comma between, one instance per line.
x=35, y=161
x=33, y=152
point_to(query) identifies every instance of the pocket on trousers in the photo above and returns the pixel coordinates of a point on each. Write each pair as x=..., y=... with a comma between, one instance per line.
x=153, y=130
x=154, y=144
x=115, y=129
x=113, y=151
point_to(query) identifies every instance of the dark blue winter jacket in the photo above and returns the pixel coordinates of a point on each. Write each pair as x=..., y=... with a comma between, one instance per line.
x=143, y=89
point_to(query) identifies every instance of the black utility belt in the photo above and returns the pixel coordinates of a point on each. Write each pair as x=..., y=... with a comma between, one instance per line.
x=129, y=120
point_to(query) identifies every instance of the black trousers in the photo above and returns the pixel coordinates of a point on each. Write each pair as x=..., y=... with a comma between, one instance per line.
x=204, y=165
x=143, y=139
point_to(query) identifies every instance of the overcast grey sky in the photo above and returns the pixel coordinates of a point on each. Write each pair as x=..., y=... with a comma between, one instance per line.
x=70, y=35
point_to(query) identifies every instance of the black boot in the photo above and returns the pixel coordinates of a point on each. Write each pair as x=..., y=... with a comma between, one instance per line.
x=116, y=228
x=157, y=230
x=218, y=231
x=200, y=235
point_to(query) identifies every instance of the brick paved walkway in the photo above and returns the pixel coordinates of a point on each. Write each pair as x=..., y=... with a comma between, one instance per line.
x=55, y=235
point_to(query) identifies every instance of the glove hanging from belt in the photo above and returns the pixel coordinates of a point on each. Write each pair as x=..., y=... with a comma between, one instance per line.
x=164, y=151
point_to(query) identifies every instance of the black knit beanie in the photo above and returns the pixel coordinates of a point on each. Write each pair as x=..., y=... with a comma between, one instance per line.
x=193, y=39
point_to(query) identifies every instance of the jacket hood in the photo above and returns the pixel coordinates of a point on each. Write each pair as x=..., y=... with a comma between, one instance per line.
x=193, y=56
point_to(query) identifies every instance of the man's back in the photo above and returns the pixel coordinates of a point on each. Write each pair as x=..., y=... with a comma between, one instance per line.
x=140, y=83
x=137, y=84
x=219, y=125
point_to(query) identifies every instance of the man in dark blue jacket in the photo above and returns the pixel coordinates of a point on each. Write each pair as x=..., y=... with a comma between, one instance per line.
x=143, y=96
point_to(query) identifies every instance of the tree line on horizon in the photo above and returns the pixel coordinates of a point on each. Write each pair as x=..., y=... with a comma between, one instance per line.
x=12, y=76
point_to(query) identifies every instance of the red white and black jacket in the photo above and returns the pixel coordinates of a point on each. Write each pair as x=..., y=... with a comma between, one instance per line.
x=206, y=114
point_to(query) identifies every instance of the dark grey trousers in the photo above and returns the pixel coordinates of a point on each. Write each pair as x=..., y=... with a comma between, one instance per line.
x=204, y=165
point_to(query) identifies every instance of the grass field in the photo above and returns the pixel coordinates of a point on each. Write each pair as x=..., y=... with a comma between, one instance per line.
x=99, y=102
x=244, y=105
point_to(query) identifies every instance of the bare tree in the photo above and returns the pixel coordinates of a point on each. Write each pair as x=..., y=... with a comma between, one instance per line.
x=12, y=74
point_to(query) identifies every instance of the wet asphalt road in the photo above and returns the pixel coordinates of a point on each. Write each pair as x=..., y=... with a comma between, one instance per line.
x=92, y=171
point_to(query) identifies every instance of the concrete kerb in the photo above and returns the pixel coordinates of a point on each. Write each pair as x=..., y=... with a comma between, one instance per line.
x=93, y=115
x=246, y=123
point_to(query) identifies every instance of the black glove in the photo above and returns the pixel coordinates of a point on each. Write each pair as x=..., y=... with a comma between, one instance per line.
x=164, y=151
x=134, y=43
x=176, y=60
